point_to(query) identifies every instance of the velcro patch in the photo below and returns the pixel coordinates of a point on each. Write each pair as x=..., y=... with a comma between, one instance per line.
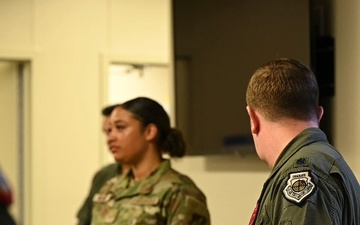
x=145, y=200
x=299, y=187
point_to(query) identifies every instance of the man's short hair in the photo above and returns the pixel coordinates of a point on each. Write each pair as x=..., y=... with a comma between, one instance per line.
x=284, y=88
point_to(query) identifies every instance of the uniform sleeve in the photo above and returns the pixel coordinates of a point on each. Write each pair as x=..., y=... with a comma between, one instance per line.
x=187, y=207
x=323, y=205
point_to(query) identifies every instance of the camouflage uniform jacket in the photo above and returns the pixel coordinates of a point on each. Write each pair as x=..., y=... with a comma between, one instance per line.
x=100, y=178
x=310, y=184
x=166, y=197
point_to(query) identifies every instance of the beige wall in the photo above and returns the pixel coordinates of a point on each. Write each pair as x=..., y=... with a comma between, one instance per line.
x=66, y=42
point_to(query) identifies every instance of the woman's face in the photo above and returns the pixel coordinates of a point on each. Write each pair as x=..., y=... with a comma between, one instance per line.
x=127, y=137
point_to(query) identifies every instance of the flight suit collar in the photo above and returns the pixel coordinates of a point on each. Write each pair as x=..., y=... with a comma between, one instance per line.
x=306, y=137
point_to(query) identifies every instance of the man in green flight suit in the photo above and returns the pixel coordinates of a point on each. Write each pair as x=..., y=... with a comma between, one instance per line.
x=310, y=182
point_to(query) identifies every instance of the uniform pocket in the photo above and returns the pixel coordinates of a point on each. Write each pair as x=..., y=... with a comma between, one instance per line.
x=142, y=210
x=110, y=216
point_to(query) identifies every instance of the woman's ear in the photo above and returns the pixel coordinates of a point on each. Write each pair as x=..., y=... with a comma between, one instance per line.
x=254, y=120
x=151, y=132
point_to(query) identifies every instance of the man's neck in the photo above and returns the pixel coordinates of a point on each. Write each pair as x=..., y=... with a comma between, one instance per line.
x=280, y=134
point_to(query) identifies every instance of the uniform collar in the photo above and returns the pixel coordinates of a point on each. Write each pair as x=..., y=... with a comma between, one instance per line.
x=123, y=188
x=306, y=137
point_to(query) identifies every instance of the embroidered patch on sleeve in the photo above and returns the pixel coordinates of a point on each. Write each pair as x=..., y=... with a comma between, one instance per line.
x=299, y=187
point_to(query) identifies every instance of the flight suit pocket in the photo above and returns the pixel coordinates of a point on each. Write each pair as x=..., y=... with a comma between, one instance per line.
x=263, y=218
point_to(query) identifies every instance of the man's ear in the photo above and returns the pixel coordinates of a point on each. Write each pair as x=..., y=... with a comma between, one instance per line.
x=151, y=132
x=254, y=120
x=320, y=112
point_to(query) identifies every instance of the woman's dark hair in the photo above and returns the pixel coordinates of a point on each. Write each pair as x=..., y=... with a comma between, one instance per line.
x=148, y=111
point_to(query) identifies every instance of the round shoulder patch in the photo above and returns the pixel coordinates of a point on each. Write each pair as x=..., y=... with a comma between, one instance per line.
x=299, y=187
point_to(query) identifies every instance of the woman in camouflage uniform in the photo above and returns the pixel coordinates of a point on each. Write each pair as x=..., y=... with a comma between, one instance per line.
x=152, y=192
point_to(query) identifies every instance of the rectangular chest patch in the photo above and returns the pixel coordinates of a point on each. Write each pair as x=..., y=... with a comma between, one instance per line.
x=145, y=201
